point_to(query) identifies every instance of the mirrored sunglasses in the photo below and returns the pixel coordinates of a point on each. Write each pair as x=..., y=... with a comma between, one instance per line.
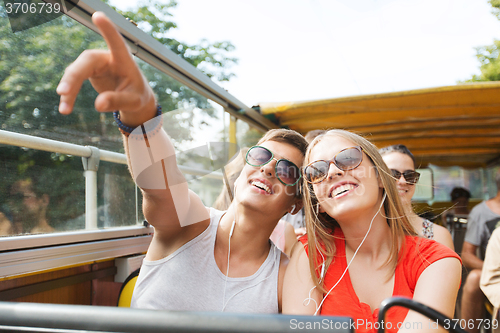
x=347, y=159
x=411, y=176
x=286, y=172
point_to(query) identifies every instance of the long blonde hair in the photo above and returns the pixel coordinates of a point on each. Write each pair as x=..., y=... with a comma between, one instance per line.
x=321, y=227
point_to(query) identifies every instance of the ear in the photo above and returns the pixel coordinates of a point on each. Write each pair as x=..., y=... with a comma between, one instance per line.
x=296, y=207
x=321, y=210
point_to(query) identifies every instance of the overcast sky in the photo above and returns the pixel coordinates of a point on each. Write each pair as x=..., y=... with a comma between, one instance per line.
x=295, y=50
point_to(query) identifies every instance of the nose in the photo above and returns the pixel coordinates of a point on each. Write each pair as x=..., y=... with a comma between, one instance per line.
x=401, y=180
x=269, y=168
x=334, y=170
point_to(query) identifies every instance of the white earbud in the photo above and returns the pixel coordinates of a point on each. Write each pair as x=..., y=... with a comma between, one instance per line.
x=232, y=229
x=293, y=208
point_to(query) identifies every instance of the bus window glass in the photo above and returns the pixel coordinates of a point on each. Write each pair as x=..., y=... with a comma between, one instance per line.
x=490, y=187
x=118, y=203
x=31, y=64
x=196, y=127
x=41, y=192
x=246, y=135
x=424, y=190
x=445, y=179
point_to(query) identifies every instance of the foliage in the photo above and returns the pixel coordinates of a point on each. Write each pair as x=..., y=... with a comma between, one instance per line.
x=496, y=7
x=489, y=55
x=31, y=65
x=212, y=59
x=250, y=137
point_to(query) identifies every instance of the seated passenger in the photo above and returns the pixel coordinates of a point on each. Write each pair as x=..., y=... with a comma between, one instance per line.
x=200, y=259
x=483, y=219
x=401, y=163
x=360, y=247
x=283, y=236
x=460, y=206
x=28, y=205
x=490, y=276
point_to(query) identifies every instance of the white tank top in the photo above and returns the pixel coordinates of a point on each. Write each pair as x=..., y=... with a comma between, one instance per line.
x=190, y=280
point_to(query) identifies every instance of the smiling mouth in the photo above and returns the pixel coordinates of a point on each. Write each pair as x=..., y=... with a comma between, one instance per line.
x=338, y=191
x=402, y=190
x=261, y=186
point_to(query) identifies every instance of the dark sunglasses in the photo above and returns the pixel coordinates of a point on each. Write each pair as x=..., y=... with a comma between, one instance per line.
x=411, y=176
x=347, y=159
x=286, y=172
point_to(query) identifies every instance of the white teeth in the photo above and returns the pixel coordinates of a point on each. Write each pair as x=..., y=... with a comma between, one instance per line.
x=261, y=186
x=342, y=189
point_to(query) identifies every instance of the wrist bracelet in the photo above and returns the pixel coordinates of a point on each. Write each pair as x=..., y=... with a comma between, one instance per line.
x=127, y=130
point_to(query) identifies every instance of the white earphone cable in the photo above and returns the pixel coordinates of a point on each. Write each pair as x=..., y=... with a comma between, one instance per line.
x=350, y=261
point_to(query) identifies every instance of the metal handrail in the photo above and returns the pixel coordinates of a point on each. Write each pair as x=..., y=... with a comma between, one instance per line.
x=22, y=317
x=408, y=303
x=53, y=146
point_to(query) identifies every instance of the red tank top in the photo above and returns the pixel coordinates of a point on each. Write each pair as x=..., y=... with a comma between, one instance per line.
x=343, y=301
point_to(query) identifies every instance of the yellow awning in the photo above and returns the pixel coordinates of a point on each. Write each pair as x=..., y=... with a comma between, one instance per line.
x=453, y=125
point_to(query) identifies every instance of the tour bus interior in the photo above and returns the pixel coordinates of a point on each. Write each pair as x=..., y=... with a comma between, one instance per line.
x=88, y=233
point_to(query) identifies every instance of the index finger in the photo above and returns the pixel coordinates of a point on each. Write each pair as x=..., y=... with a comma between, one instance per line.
x=114, y=40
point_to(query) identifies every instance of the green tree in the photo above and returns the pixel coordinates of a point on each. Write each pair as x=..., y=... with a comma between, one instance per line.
x=32, y=62
x=31, y=65
x=489, y=55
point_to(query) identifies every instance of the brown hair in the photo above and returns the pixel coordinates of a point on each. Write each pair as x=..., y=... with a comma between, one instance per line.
x=233, y=168
x=402, y=149
x=290, y=137
x=321, y=226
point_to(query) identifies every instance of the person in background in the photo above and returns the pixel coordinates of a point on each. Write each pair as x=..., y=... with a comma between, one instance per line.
x=455, y=219
x=483, y=219
x=490, y=276
x=401, y=162
x=298, y=220
x=283, y=235
x=360, y=248
x=459, y=205
x=200, y=259
x=28, y=205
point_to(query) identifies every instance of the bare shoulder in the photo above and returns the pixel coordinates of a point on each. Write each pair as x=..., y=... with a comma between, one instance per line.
x=284, y=261
x=443, y=236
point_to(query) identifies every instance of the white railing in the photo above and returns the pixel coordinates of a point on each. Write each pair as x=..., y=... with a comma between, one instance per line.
x=25, y=254
x=70, y=248
x=91, y=157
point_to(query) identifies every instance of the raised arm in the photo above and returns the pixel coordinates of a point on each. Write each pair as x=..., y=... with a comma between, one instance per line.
x=168, y=203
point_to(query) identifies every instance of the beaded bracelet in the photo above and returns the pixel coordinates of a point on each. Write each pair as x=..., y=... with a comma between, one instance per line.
x=127, y=130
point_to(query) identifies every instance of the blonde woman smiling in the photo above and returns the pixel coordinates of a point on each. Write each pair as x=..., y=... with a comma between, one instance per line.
x=360, y=247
